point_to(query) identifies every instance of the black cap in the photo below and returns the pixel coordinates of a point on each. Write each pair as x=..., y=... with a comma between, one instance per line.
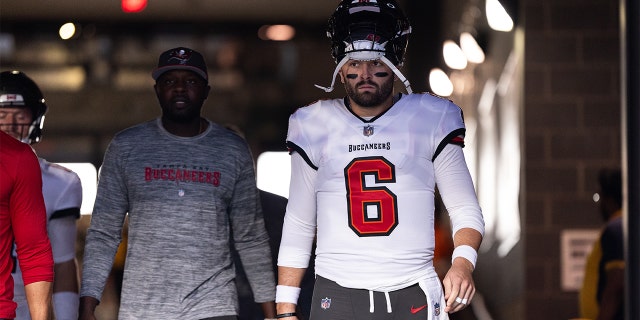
x=181, y=58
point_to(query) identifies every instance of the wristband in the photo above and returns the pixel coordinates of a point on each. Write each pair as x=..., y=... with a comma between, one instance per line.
x=287, y=294
x=65, y=305
x=285, y=315
x=467, y=252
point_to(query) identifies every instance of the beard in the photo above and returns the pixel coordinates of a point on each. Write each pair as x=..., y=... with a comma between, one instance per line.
x=370, y=99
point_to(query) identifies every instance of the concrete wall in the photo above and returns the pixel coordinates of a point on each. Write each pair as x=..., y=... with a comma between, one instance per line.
x=571, y=129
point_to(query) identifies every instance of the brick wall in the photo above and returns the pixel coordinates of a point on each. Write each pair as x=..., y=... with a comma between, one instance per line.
x=571, y=129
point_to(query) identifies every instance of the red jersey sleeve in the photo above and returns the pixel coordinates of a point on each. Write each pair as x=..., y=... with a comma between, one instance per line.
x=28, y=220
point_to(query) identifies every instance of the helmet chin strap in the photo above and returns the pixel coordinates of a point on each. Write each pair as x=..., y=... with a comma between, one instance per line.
x=335, y=73
x=384, y=59
x=399, y=74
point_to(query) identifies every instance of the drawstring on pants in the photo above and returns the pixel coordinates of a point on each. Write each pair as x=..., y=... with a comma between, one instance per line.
x=372, y=305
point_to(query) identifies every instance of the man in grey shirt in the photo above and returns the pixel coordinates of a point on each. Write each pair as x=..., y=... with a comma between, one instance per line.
x=188, y=184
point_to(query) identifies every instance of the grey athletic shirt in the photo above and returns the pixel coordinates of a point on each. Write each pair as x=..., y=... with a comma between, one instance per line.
x=185, y=197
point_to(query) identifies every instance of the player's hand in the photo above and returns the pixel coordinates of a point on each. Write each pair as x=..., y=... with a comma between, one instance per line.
x=458, y=285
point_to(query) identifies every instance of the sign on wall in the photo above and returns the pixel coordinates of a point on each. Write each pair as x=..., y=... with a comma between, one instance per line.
x=575, y=247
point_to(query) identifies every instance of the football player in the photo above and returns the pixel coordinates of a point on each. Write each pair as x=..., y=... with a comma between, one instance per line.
x=364, y=175
x=22, y=110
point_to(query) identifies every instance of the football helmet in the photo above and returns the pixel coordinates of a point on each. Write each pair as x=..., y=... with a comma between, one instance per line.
x=369, y=30
x=17, y=90
x=378, y=27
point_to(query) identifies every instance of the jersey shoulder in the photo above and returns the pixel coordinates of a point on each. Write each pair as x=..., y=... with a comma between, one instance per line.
x=318, y=108
x=15, y=156
x=135, y=132
x=10, y=146
x=439, y=97
x=431, y=105
x=433, y=100
x=54, y=171
x=315, y=117
x=428, y=93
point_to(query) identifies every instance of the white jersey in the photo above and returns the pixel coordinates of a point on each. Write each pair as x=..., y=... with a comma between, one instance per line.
x=62, y=193
x=374, y=188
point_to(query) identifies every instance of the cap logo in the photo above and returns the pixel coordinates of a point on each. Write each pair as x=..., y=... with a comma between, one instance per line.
x=182, y=56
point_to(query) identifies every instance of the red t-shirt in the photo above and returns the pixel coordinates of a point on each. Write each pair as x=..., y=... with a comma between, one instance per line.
x=23, y=217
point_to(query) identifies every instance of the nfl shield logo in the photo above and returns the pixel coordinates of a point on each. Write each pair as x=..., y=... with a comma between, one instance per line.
x=436, y=309
x=325, y=303
x=367, y=130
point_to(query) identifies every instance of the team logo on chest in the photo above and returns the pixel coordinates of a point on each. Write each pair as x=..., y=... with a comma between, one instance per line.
x=367, y=130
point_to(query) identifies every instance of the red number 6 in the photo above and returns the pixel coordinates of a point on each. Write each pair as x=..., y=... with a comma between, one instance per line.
x=361, y=199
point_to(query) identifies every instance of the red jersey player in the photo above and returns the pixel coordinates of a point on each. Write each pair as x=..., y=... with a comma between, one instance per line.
x=22, y=217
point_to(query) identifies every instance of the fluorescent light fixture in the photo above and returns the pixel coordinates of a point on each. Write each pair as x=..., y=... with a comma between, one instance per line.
x=453, y=55
x=498, y=17
x=440, y=82
x=471, y=49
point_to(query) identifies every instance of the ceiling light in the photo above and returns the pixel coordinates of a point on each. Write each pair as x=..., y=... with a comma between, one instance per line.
x=132, y=6
x=440, y=83
x=277, y=32
x=471, y=49
x=453, y=55
x=67, y=31
x=498, y=17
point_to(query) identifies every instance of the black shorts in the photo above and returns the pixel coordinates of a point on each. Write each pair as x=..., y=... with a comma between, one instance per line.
x=333, y=302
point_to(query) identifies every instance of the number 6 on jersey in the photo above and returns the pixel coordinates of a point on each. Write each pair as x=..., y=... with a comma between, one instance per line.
x=363, y=200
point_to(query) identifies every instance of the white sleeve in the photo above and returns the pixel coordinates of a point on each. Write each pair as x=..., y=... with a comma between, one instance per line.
x=71, y=197
x=62, y=235
x=299, y=227
x=456, y=188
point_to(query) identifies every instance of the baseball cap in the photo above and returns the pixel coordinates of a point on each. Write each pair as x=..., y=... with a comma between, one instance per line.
x=181, y=58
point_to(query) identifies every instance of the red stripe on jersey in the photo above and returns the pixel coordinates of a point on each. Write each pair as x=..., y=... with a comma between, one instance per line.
x=458, y=140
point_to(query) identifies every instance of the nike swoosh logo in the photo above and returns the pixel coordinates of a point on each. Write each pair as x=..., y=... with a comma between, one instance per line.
x=418, y=309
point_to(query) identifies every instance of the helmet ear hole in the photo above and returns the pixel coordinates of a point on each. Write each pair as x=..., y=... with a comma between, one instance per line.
x=36, y=130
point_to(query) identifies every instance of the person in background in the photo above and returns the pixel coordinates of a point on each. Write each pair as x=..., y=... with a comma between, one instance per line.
x=273, y=208
x=364, y=173
x=23, y=220
x=23, y=117
x=602, y=293
x=187, y=185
